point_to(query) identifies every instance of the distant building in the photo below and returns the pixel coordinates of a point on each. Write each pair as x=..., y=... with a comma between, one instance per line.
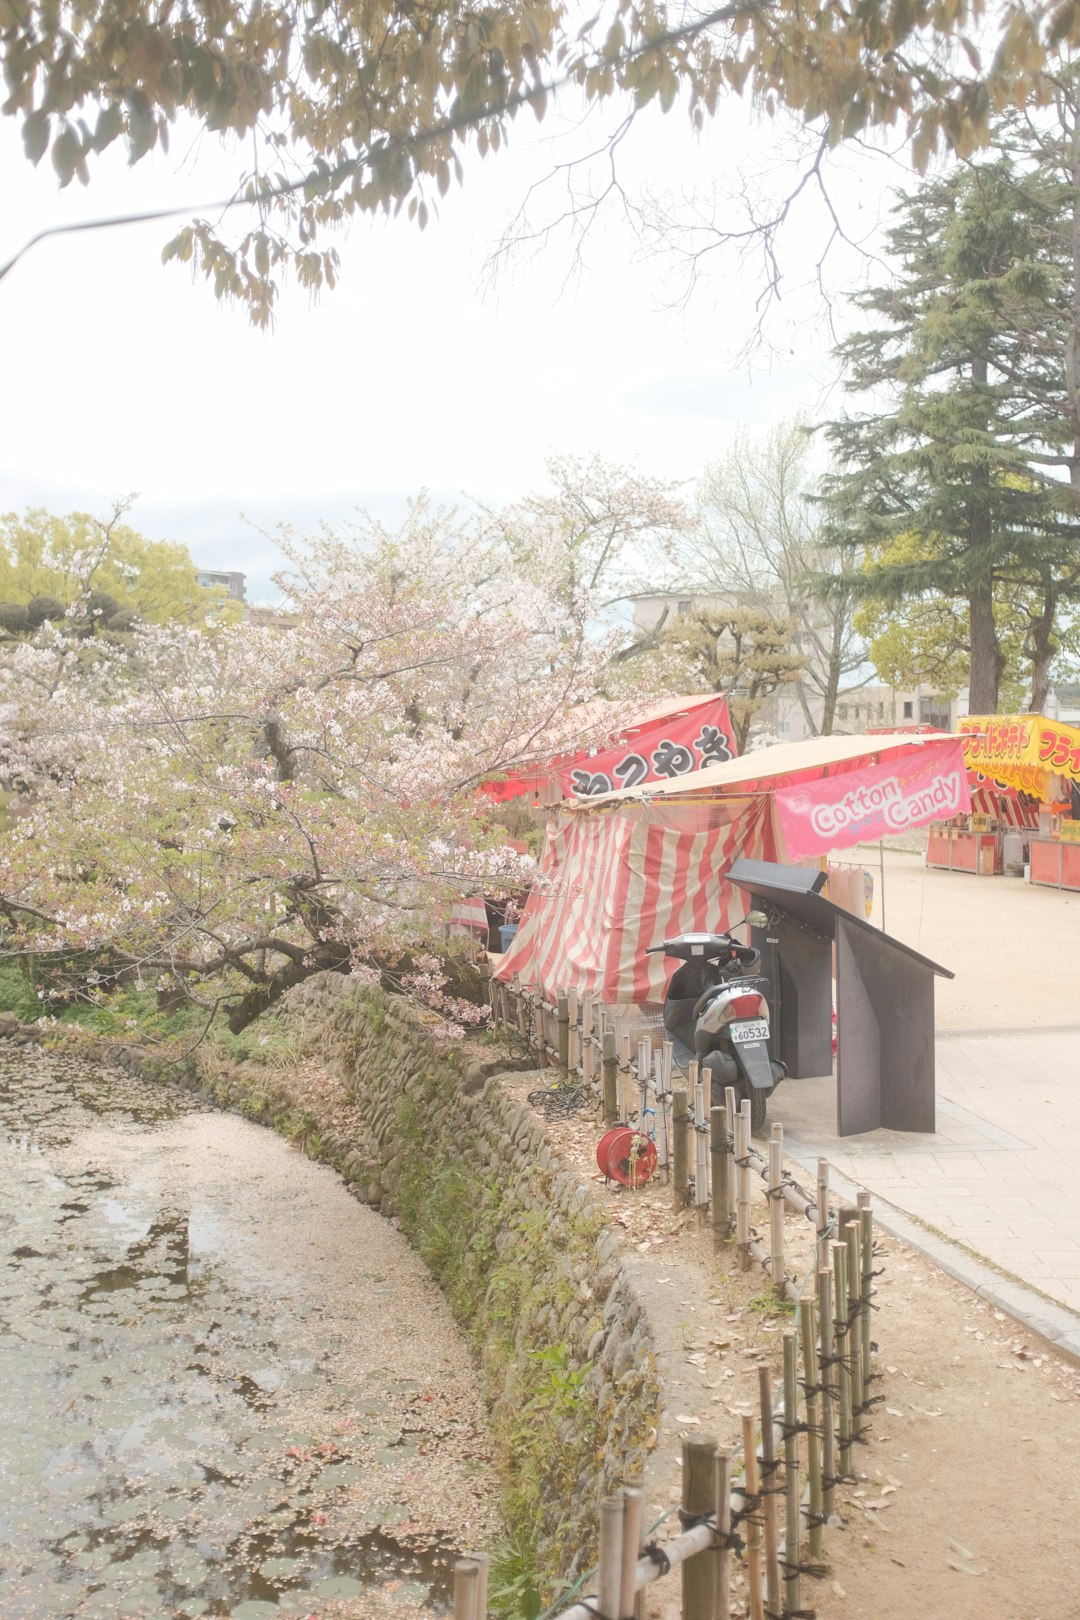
x=227, y=579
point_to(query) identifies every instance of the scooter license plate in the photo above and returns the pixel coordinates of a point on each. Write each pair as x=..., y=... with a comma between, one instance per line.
x=757, y=1030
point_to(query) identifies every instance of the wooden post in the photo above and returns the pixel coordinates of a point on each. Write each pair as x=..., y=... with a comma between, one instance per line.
x=519, y=1007
x=731, y=1104
x=776, y=1207
x=482, y=1595
x=680, y=1119
x=723, y=1527
x=829, y=1396
x=609, y=1561
x=752, y=1481
x=842, y=1353
x=633, y=1542
x=699, y=1498
x=720, y=1154
x=562, y=1003
x=611, y=1078
x=812, y=1370
x=866, y=1235
x=768, y=1489
x=742, y=1167
x=467, y=1590
x=792, y=1548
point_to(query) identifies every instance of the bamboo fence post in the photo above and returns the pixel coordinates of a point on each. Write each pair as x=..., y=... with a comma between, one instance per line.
x=588, y=1051
x=562, y=1003
x=791, y=1473
x=829, y=1397
x=609, y=1560
x=776, y=1207
x=742, y=1165
x=702, y=1190
x=823, y=1212
x=611, y=1078
x=753, y=1522
x=482, y=1591
x=541, y=1029
x=575, y=1030
x=842, y=1354
x=719, y=1152
x=519, y=1010
x=768, y=1490
x=698, y=1501
x=866, y=1233
x=467, y=1590
x=680, y=1121
x=626, y=1077
x=723, y=1531
x=731, y=1105
x=644, y=1074
x=633, y=1542
x=850, y=1234
x=812, y=1369
x=663, y=1140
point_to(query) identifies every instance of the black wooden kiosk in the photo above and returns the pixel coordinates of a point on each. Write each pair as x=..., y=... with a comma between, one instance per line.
x=884, y=1000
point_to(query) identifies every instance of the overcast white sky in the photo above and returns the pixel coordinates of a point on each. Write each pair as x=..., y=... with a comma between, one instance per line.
x=124, y=375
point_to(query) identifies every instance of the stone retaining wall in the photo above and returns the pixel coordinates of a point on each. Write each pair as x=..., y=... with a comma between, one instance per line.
x=524, y=1255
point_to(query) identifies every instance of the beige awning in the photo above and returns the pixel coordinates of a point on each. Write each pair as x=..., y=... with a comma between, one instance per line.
x=768, y=765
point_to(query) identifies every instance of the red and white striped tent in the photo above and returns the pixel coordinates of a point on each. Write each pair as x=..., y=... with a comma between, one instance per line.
x=612, y=885
x=632, y=868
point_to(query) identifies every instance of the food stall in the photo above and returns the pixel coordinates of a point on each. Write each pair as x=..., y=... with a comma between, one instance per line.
x=1022, y=768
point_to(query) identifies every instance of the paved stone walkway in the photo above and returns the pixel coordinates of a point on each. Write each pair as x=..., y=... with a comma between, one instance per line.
x=1000, y=1176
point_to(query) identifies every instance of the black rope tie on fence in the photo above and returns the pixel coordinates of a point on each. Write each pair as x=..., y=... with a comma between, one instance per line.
x=588, y=1604
x=751, y=1503
x=788, y=1431
x=653, y=1550
x=745, y=1162
x=789, y=1614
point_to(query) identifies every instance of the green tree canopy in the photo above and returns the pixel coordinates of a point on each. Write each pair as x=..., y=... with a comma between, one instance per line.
x=103, y=564
x=965, y=367
x=353, y=107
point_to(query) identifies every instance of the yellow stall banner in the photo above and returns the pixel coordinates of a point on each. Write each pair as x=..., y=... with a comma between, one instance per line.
x=1021, y=751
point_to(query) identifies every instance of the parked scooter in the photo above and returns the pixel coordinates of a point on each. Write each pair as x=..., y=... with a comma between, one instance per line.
x=714, y=1012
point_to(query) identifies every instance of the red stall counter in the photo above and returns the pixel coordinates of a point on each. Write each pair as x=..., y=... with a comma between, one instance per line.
x=1055, y=862
x=956, y=851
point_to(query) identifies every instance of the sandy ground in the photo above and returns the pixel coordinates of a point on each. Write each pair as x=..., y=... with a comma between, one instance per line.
x=967, y=1494
x=1008, y=942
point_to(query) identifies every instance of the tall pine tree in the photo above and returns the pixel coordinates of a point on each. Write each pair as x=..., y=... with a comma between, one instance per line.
x=968, y=423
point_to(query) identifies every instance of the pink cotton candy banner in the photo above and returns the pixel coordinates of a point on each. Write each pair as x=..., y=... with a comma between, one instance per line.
x=837, y=811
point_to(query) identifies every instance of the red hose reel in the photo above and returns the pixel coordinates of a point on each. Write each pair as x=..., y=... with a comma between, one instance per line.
x=626, y=1156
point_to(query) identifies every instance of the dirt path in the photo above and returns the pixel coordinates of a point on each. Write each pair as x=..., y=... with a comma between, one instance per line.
x=968, y=1493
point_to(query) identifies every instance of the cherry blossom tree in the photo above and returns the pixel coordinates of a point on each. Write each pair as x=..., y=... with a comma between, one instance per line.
x=233, y=810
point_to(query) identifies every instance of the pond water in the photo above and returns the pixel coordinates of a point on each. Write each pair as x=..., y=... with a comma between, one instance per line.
x=226, y=1387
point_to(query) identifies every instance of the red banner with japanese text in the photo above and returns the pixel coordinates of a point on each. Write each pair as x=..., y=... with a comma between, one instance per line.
x=670, y=747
